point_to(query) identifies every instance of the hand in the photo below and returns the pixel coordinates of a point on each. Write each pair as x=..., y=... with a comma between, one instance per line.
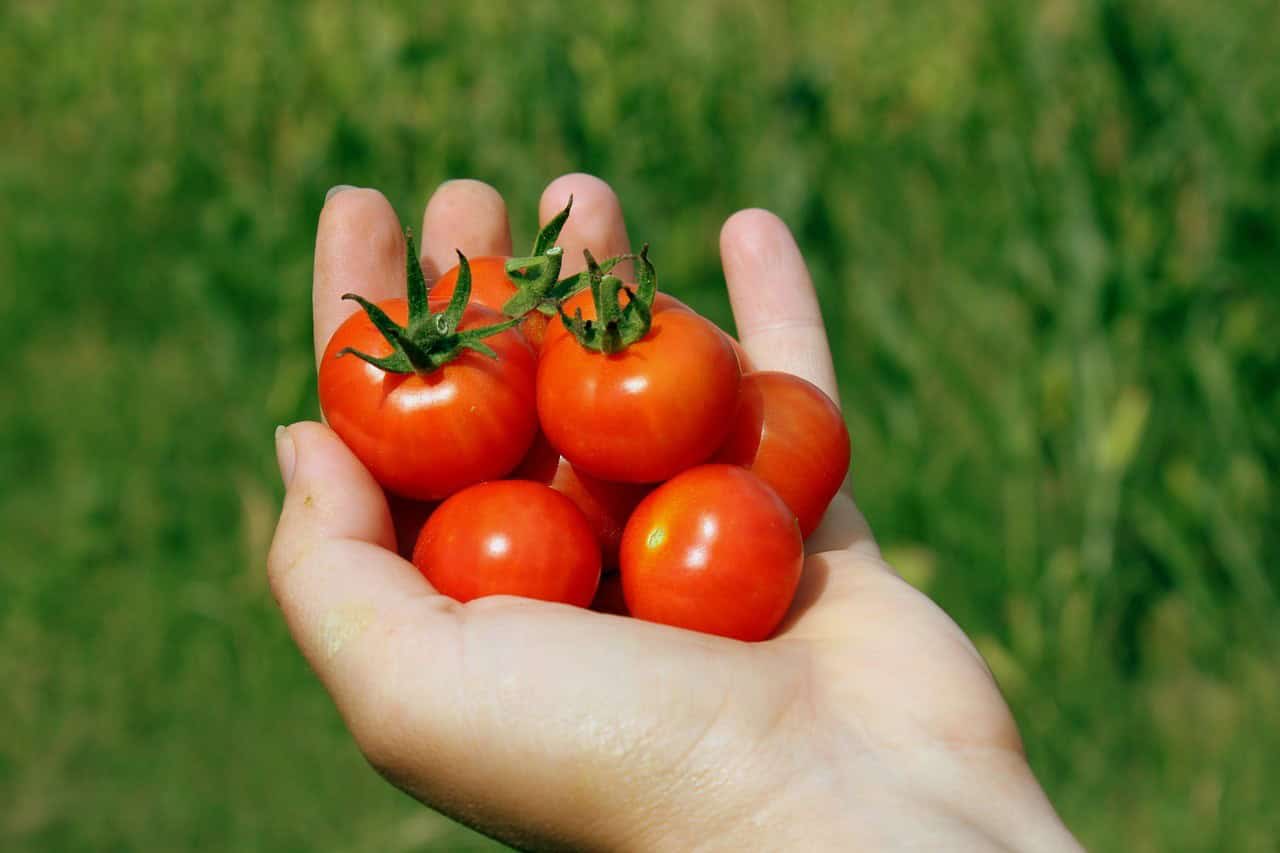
x=869, y=721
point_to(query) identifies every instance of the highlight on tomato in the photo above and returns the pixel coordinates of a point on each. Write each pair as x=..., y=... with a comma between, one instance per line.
x=635, y=395
x=431, y=396
x=792, y=436
x=510, y=537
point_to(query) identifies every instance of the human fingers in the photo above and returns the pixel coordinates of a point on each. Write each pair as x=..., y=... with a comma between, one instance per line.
x=463, y=216
x=595, y=223
x=359, y=248
x=774, y=306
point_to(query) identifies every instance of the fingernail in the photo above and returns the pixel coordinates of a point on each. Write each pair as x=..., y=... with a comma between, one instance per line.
x=285, y=454
x=334, y=190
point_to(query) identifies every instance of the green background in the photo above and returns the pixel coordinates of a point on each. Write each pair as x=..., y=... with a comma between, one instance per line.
x=1046, y=238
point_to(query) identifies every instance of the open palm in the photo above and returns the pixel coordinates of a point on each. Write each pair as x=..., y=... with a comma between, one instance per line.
x=869, y=720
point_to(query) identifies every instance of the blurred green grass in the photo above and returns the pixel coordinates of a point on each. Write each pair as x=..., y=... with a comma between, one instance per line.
x=1046, y=236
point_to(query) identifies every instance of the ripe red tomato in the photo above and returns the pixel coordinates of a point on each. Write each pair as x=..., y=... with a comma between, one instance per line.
x=606, y=505
x=646, y=413
x=581, y=301
x=792, y=436
x=492, y=287
x=510, y=537
x=713, y=549
x=427, y=436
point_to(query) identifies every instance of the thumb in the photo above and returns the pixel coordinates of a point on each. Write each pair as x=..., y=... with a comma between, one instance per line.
x=332, y=567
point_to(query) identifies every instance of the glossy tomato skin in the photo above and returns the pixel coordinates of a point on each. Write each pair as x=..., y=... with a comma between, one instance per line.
x=492, y=287
x=714, y=550
x=792, y=436
x=647, y=413
x=426, y=437
x=510, y=537
x=604, y=504
x=582, y=301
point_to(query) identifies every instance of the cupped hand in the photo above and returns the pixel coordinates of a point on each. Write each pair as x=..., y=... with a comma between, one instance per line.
x=868, y=722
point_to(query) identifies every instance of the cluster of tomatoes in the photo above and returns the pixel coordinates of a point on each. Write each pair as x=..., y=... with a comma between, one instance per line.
x=565, y=428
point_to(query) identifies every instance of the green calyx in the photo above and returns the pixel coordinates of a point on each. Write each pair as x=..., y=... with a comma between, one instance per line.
x=537, y=276
x=616, y=326
x=430, y=339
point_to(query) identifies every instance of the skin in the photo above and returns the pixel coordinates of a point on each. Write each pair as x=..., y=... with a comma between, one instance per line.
x=424, y=437
x=792, y=436
x=869, y=722
x=510, y=537
x=715, y=550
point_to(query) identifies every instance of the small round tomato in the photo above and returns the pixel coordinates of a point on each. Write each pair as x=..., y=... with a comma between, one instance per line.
x=792, y=436
x=581, y=301
x=646, y=413
x=425, y=436
x=606, y=505
x=715, y=550
x=492, y=287
x=510, y=537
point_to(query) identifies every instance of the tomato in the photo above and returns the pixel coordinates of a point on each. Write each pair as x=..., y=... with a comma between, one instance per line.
x=492, y=287
x=715, y=550
x=792, y=436
x=581, y=301
x=510, y=537
x=646, y=413
x=425, y=436
x=605, y=505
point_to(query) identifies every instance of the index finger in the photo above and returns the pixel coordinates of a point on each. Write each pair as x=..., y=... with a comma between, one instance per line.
x=359, y=249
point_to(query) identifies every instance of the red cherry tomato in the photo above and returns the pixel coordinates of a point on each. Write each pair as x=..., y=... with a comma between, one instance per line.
x=492, y=287
x=427, y=436
x=581, y=301
x=510, y=537
x=715, y=550
x=606, y=505
x=646, y=413
x=792, y=436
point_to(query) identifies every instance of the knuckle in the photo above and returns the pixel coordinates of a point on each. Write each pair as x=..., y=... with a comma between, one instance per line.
x=290, y=549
